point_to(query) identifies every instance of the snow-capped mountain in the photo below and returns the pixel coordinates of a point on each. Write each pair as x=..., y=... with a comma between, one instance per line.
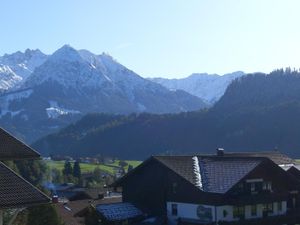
x=17, y=67
x=70, y=83
x=209, y=87
x=97, y=83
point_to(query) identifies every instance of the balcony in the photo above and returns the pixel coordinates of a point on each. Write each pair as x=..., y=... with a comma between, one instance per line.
x=262, y=197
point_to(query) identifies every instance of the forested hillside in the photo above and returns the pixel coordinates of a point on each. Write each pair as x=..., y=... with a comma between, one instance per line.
x=257, y=112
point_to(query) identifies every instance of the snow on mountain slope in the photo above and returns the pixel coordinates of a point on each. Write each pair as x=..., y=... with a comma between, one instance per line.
x=7, y=99
x=17, y=67
x=209, y=87
x=106, y=84
x=8, y=78
x=70, y=83
x=54, y=111
x=67, y=68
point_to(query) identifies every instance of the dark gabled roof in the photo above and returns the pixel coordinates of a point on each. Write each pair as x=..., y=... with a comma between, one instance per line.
x=276, y=156
x=217, y=174
x=220, y=175
x=182, y=165
x=12, y=148
x=15, y=192
x=294, y=171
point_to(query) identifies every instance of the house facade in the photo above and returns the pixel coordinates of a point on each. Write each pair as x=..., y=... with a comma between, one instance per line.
x=212, y=189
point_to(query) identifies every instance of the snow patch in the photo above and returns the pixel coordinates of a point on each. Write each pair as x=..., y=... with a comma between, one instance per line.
x=141, y=107
x=54, y=111
x=5, y=100
x=8, y=78
x=197, y=173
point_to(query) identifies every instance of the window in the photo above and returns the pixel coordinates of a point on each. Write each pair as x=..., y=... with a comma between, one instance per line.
x=267, y=185
x=279, y=206
x=238, y=211
x=174, y=210
x=252, y=187
x=174, y=187
x=253, y=210
x=264, y=186
x=225, y=213
x=268, y=207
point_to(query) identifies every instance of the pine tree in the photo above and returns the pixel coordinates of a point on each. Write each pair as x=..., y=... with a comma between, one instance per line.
x=68, y=170
x=77, y=170
x=130, y=167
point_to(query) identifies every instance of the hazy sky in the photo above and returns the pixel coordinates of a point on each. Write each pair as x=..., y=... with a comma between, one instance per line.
x=168, y=38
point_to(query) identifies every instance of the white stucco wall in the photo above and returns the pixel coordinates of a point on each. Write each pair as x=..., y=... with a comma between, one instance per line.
x=186, y=210
x=189, y=211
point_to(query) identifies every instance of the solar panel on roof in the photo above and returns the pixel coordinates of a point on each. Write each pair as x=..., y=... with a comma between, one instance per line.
x=118, y=211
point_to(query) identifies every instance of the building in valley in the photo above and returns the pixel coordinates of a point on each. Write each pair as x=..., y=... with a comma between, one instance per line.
x=213, y=189
x=15, y=192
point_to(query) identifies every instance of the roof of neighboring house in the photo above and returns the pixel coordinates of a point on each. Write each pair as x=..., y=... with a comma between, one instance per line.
x=294, y=170
x=69, y=212
x=15, y=192
x=276, y=156
x=214, y=174
x=11, y=148
x=118, y=211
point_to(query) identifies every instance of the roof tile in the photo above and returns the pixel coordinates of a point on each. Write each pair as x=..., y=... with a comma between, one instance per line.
x=12, y=148
x=15, y=192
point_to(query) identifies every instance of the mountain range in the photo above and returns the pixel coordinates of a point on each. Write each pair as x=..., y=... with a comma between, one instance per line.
x=208, y=87
x=257, y=112
x=17, y=67
x=42, y=93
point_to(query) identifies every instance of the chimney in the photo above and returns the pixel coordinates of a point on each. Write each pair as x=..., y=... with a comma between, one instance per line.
x=220, y=151
x=54, y=199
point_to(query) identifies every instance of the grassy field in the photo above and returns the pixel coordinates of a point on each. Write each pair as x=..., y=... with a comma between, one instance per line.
x=88, y=167
x=129, y=162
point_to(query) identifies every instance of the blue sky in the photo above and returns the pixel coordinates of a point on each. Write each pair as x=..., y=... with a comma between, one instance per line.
x=169, y=38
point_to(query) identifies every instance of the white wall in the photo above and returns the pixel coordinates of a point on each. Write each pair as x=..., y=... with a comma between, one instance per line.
x=186, y=210
x=189, y=211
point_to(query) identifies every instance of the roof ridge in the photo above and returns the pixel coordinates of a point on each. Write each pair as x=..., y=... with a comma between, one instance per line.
x=12, y=148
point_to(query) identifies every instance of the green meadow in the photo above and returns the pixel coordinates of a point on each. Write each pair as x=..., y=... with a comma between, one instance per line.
x=90, y=167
